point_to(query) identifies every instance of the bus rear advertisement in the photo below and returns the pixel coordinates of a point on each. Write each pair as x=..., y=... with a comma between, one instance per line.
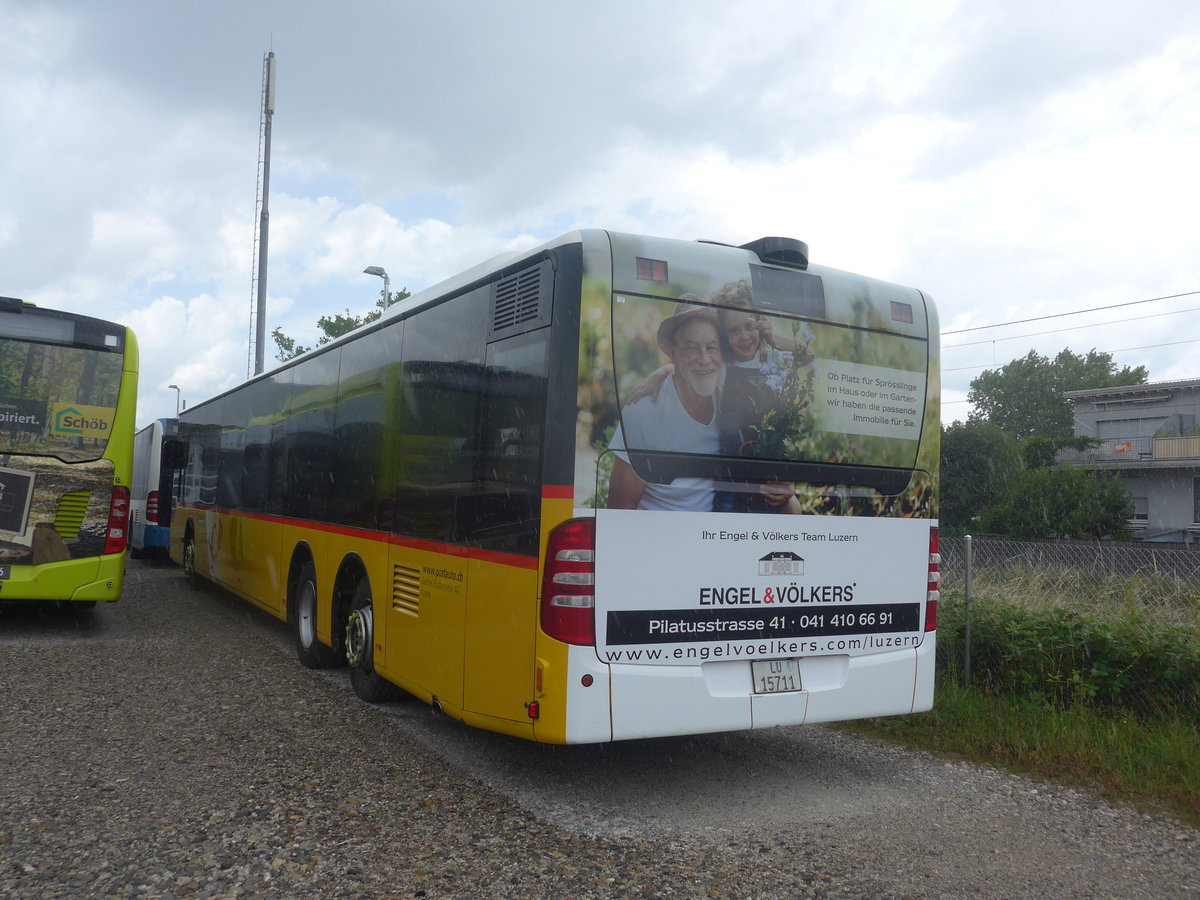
x=68, y=389
x=613, y=487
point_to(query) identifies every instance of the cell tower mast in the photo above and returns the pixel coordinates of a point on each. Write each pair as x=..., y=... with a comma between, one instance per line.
x=258, y=278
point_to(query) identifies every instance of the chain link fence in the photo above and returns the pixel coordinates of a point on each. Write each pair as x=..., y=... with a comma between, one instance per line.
x=1107, y=624
x=1096, y=579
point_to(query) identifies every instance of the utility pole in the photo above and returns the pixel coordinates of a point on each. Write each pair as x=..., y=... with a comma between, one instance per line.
x=264, y=218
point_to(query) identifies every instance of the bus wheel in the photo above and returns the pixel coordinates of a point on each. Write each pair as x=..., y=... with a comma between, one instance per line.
x=360, y=650
x=189, y=561
x=309, y=649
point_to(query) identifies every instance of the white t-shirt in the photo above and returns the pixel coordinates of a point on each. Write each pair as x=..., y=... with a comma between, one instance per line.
x=664, y=424
x=769, y=365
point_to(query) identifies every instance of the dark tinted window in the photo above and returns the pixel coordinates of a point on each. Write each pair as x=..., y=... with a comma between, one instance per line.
x=229, y=472
x=272, y=428
x=57, y=400
x=201, y=432
x=230, y=475
x=797, y=293
x=309, y=439
x=446, y=446
x=503, y=511
x=440, y=394
x=258, y=413
x=369, y=375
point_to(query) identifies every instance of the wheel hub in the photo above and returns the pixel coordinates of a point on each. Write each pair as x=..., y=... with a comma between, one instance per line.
x=359, y=637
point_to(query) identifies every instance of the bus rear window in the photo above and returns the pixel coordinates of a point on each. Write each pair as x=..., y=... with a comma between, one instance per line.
x=723, y=377
x=782, y=290
x=57, y=400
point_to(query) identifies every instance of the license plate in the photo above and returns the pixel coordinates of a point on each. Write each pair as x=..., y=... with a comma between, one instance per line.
x=5, y=573
x=775, y=676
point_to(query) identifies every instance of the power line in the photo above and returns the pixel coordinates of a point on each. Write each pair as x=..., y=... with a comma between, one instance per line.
x=1017, y=337
x=1122, y=350
x=1075, y=313
x=1072, y=328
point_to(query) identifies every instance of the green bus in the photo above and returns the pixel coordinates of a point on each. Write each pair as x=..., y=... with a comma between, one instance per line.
x=68, y=393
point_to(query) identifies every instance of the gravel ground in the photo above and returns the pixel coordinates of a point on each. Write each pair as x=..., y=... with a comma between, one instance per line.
x=166, y=747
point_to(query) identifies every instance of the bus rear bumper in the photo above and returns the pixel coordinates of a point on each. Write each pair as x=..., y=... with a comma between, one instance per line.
x=110, y=576
x=96, y=581
x=658, y=701
x=104, y=590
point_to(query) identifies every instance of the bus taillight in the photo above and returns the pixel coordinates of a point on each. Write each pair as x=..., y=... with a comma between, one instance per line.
x=568, y=592
x=935, y=575
x=152, y=507
x=118, y=520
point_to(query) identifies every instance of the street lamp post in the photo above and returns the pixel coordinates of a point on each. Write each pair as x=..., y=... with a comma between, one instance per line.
x=178, y=399
x=378, y=270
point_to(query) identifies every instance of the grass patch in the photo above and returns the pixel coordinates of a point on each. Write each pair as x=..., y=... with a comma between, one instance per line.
x=1163, y=599
x=1078, y=676
x=1152, y=763
x=1132, y=663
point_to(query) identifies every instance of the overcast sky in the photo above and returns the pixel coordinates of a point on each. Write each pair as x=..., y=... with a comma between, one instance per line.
x=1013, y=159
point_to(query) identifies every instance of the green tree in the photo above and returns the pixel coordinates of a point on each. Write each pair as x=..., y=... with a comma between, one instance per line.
x=979, y=462
x=1040, y=452
x=1059, y=503
x=335, y=326
x=1025, y=397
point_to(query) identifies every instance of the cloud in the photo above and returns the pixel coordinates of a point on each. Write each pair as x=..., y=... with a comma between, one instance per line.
x=1009, y=158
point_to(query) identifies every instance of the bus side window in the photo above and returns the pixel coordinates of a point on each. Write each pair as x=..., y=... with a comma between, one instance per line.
x=440, y=400
x=172, y=462
x=505, y=506
x=254, y=477
x=229, y=479
x=174, y=454
x=310, y=438
x=208, y=476
x=435, y=448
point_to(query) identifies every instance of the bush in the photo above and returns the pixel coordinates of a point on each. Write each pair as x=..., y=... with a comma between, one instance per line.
x=1060, y=503
x=1060, y=657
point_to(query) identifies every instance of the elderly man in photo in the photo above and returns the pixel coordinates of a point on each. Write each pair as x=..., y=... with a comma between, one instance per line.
x=681, y=419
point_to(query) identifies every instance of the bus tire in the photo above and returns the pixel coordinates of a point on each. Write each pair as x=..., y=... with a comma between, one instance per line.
x=189, y=561
x=309, y=649
x=368, y=684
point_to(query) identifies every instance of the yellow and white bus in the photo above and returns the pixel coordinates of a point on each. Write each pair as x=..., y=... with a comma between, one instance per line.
x=613, y=487
x=68, y=396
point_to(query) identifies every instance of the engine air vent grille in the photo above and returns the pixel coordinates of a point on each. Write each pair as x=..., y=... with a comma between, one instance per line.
x=406, y=589
x=69, y=515
x=521, y=301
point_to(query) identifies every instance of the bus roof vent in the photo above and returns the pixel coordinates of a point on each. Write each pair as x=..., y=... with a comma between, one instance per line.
x=781, y=251
x=521, y=301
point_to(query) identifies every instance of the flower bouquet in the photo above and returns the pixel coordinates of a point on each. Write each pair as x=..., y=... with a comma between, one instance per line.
x=785, y=426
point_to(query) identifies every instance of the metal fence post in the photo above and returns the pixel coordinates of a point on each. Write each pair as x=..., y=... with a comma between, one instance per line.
x=967, y=618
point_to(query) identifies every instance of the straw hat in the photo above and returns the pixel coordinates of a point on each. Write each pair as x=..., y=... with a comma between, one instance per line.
x=685, y=311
